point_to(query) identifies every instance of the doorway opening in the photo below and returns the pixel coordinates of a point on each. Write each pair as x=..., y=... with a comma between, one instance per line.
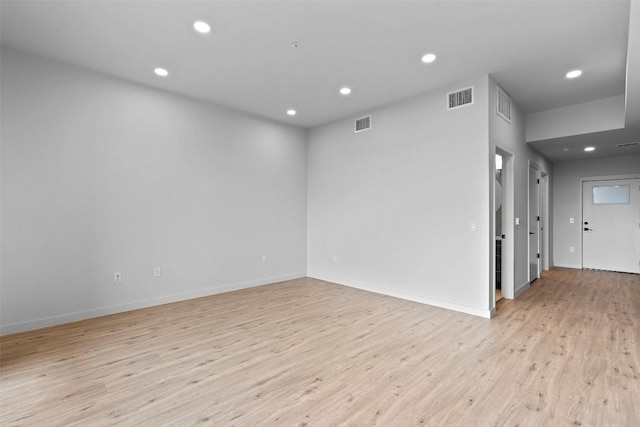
x=504, y=230
x=544, y=220
x=534, y=222
x=499, y=197
x=538, y=221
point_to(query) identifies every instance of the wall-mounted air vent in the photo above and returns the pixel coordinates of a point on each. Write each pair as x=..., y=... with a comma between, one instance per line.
x=460, y=98
x=628, y=144
x=363, y=123
x=503, y=108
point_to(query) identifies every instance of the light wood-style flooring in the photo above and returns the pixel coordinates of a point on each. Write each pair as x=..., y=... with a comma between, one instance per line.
x=311, y=353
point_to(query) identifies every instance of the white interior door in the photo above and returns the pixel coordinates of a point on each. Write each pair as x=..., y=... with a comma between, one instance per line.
x=534, y=225
x=611, y=225
x=544, y=221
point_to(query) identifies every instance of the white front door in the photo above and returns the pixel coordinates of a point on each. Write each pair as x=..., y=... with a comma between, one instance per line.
x=611, y=225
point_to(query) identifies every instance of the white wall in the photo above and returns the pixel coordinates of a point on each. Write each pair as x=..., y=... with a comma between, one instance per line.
x=589, y=117
x=510, y=137
x=100, y=175
x=400, y=197
x=567, y=201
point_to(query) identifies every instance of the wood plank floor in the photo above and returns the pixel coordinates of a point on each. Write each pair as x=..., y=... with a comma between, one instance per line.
x=311, y=353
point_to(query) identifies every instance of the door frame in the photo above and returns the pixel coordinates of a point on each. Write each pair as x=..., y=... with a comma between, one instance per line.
x=543, y=234
x=596, y=178
x=536, y=175
x=508, y=226
x=544, y=214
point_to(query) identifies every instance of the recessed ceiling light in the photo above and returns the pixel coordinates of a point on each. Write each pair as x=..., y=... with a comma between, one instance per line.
x=345, y=90
x=573, y=74
x=161, y=72
x=566, y=149
x=428, y=58
x=291, y=112
x=201, y=27
x=589, y=148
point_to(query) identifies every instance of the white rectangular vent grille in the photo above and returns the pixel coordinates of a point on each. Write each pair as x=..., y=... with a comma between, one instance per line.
x=363, y=123
x=628, y=144
x=460, y=98
x=503, y=109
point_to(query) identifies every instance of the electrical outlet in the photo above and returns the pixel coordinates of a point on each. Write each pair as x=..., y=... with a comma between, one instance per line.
x=264, y=259
x=335, y=258
x=572, y=220
x=421, y=271
x=572, y=249
x=157, y=272
x=473, y=226
x=117, y=277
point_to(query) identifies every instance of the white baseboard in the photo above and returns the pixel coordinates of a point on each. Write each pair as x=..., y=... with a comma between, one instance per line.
x=577, y=267
x=521, y=289
x=406, y=296
x=135, y=305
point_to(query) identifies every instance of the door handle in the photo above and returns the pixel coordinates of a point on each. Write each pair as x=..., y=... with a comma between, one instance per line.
x=531, y=232
x=588, y=229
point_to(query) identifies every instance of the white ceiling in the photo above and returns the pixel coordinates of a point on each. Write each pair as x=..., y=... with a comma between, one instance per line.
x=248, y=61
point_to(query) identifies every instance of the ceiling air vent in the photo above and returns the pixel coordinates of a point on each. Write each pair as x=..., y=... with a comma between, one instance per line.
x=503, y=109
x=363, y=123
x=628, y=144
x=460, y=98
